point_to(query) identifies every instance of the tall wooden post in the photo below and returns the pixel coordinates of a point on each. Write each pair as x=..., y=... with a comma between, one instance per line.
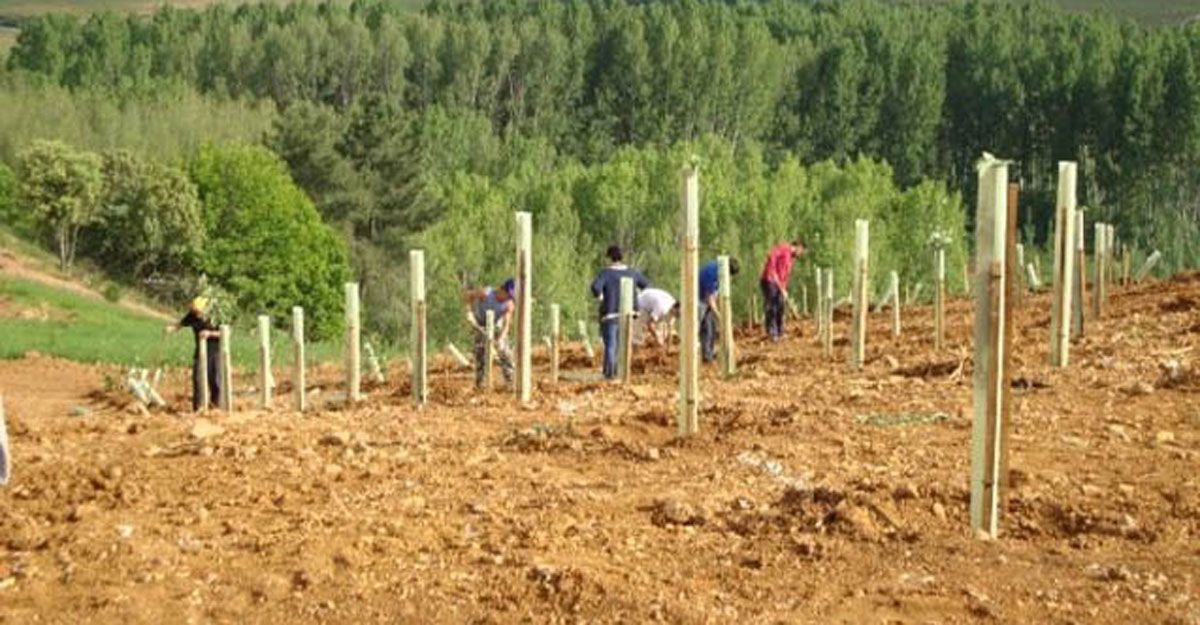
x=524, y=306
x=804, y=299
x=820, y=305
x=895, y=289
x=1110, y=244
x=5, y=456
x=1126, y=263
x=489, y=348
x=205, y=397
x=939, y=298
x=353, y=345
x=991, y=327
x=861, y=295
x=1012, y=295
x=1079, y=285
x=227, y=368
x=828, y=312
x=1016, y=253
x=420, y=331
x=1099, y=256
x=1148, y=266
x=587, y=341
x=1064, y=266
x=724, y=294
x=555, y=341
x=625, y=331
x=689, y=340
x=266, y=382
x=1019, y=276
x=298, y=374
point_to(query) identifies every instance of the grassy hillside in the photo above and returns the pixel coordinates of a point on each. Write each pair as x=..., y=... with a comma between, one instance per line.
x=23, y=8
x=1149, y=11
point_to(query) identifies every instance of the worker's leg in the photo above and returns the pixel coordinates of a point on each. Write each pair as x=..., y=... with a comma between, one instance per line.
x=608, y=333
x=708, y=333
x=214, y=375
x=197, y=390
x=480, y=358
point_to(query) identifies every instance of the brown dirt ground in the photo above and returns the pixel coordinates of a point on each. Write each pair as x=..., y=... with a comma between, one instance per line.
x=585, y=508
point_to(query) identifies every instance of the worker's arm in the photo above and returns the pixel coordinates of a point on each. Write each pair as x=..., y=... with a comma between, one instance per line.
x=469, y=299
x=652, y=329
x=711, y=302
x=508, y=315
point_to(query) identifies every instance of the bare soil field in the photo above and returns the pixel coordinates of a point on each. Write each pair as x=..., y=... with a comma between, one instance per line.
x=813, y=494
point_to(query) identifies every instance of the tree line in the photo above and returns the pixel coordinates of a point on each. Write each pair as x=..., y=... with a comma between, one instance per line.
x=391, y=120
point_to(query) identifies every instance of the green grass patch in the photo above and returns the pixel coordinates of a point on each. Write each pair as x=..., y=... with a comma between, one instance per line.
x=39, y=318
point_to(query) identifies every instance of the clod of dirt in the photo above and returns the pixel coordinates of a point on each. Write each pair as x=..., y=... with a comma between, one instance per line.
x=857, y=519
x=204, y=429
x=1164, y=437
x=674, y=512
x=1138, y=388
x=336, y=439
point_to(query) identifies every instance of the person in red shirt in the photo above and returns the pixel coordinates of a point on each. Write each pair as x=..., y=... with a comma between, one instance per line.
x=775, y=274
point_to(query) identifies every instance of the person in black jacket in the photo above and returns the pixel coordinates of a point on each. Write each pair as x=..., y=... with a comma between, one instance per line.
x=203, y=329
x=607, y=287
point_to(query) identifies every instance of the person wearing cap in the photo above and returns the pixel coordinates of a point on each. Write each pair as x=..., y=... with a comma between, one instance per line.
x=607, y=288
x=203, y=329
x=501, y=302
x=775, y=274
x=710, y=283
x=657, y=310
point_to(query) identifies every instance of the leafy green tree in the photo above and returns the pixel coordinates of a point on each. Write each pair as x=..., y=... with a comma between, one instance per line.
x=266, y=244
x=62, y=189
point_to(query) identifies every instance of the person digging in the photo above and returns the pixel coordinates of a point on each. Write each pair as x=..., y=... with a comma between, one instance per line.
x=501, y=302
x=774, y=281
x=203, y=329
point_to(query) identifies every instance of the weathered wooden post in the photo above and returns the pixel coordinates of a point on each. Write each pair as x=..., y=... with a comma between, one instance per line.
x=1110, y=244
x=555, y=341
x=489, y=348
x=373, y=366
x=5, y=456
x=895, y=279
x=1100, y=258
x=1148, y=266
x=804, y=299
x=1064, y=266
x=420, y=331
x=625, y=331
x=298, y=373
x=1079, y=285
x=353, y=345
x=862, y=301
x=1019, y=276
x=458, y=356
x=524, y=306
x=724, y=294
x=991, y=327
x=829, y=312
x=939, y=294
x=587, y=341
x=205, y=397
x=966, y=268
x=820, y=305
x=227, y=368
x=1126, y=263
x=753, y=311
x=689, y=340
x=1015, y=267
x=266, y=382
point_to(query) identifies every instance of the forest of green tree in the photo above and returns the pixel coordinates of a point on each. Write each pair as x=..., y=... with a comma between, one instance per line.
x=430, y=128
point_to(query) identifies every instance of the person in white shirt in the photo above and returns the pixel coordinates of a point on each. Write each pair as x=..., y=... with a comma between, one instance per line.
x=657, y=310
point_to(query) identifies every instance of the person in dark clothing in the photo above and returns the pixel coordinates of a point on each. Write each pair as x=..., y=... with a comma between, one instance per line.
x=710, y=283
x=500, y=302
x=607, y=287
x=203, y=329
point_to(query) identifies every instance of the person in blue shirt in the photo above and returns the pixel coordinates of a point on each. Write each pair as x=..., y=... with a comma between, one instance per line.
x=500, y=302
x=710, y=282
x=607, y=288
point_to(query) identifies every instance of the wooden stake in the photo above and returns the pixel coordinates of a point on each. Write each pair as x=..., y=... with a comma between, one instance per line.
x=1126, y=264
x=266, y=383
x=298, y=377
x=804, y=299
x=895, y=303
x=353, y=345
x=555, y=341
x=205, y=397
x=524, y=307
x=227, y=368
x=966, y=268
x=860, y=295
x=1012, y=293
x=689, y=340
x=991, y=326
x=1100, y=258
x=939, y=299
x=625, y=331
x=1015, y=265
x=1035, y=283
x=1148, y=266
x=373, y=363
x=587, y=341
x=489, y=349
x=458, y=356
x=829, y=313
x=753, y=311
x=725, y=296
x=1079, y=296
x=1019, y=275
x=420, y=330
x=1064, y=266
x=820, y=305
